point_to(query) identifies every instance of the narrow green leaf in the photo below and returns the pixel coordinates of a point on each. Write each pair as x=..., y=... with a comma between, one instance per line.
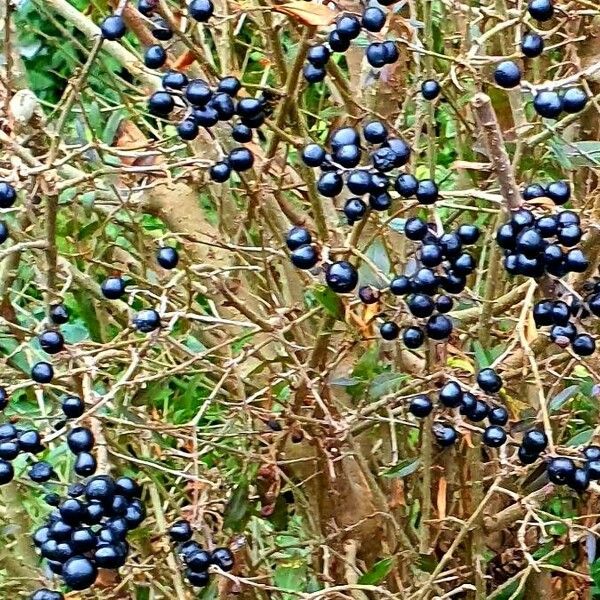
x=377, y=573
x=386, y=383
x=404, y=468
x=563, y=397
x=583, y=437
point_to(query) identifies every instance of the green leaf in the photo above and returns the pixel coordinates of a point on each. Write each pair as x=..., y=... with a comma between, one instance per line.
x=367, y=365
x=329, y=300
x=88, y=230
x=75, y=332
x=108, y=135
x=377, y=573
x=385, y=384
x=290, y=578
x=563, y=397
x=237, y=511
x=404, y=468
x=583, y=437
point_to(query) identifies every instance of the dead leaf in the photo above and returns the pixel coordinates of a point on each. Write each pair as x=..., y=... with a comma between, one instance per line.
x=441, y=498
x=307, y=13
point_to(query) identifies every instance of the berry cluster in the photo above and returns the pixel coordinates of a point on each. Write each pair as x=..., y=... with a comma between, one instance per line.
x=474, y=409
x=195, y=558
x=8, y=197
x=443, y=264
x=88, y=529
x=547, y=103
x=15, y=441
x=341, y=167
x=530, y=249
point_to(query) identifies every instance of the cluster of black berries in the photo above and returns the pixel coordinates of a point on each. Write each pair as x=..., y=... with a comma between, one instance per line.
x=114, y=288
x=8, y=196
x=195, y=558
x=547, y=103
x=476, y=410
x=88, y=529
x=347, y=28
x=443, y=264
x=113, y=27
x=530, y=249
x=342, y=167
x=558, y=315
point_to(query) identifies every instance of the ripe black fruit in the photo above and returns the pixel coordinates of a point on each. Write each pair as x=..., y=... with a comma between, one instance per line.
x=198, y=561
x=223, y=558
x=313, y=155
x=146, y=320
x=489, y=381
x=494, y=436
x=341, y=277
x=445, y=435
x=8, y=195
x=59, y=314
x=318, y=55
x=389, y=330
x=113, y=27
x=6, y=472
x=399, y=286
x=347, y=156
x=85, y=464
x=337, y=42
x=201, y=10
x=415, y=229
x=155, y=56
x=438, y=327
x=79, y=573
x=354, y=209
x=304, y=257
x=80, y=439
x=368, y=295
x=174, y=80
x=498, y=416
x=373, y=19
x=451, y=245
x=46, y=594
x=444, y=304
x=427, y=191
x=451, y=395
x=468, y=234
x=220, y=172
x=296, y=237
x=41, y=472
x=406, y=185
x=197, y=579
x=30, y=441
x=420, y=305
x=532, y=44
x=507, y=74
x=167, y=257
x=241, y=133
x=584, y=345
x=42, y=372
x=541, y=10
x=559, y=192
x=161, y=104
x=51, y=341
x=430, y=89
x=160, y=29
x=420, y=406
x=534, y=441
x=547, y=105
x=330, y=184
x=113, y=288
x=180, y=531
x=560, y=470
x=413, y=337
x=574, y=100
x=187, y=130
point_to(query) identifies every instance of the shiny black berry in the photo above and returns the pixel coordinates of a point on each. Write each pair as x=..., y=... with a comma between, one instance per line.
x=560, y=470
x=489, y=381
x=223, y=558
x=79, y=573
x=389, y=330
x=42, y=372
x=147, y=320
x=494, y=436
x=532, y=44
x=155, y=56
x=445, y=435
x=113, y=27
x=507, y=74
x=167, y=257
x=201, y=10
x=59, y=314
x=420, y=406
x=8, y=195
x=451, y=395
x=430, y=89
x=80, y=439
x=51, y=341
x=547, y=104
x=341, y=277
x=113, y=288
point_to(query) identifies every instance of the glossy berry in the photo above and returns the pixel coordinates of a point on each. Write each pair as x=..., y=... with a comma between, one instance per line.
x=406, y=185
x=161, y=104
x=201, y=10
x=174, y=80
x=477, y=412
x=337, y=42
x=592, y=452
x=113, y=288
x=146, y=320
x=540, y=10
x=187, y=130
x=373, y=19
x=160, y=29
x=155, y=56
x=451, y=395
x=574, y=100
x=368, y=295
x=348, y=26
x=532, y=44
x=167, y=257
x=113, y=27
x=205, y=116
x=427, y=191
x=80, y=439
x=180, y=531
x=41, y=472
x=494, y=436
x=85, y=464
x=347, y=156
x=560, y=470
x=468, y=234
x=198, y=561
x=313, y=155
x=576, y=262
x=375, y=132
x=296, y=237
x=380, y=202
x=304, y=257
x=229, y=85
x=341, y=277
x=197, y=579
x=400, y=149
x=438, y=327
x=42, y=372
x=420, y=406
x=318, y=55
x=51, y=341
x=222, y=558
x=46, y=594
x=147, y=7
x=354, y=209
x=6, y=472
x=489, y=381
x=425, y=281
x=430, y=89
x=344, y=136
x=534, y=441
x=313, y=74
x=241, y=133
x=445, y=435
x=507, y=74
x=420, y=305
x=30, y=441
x=559, y=192
x=59, y=314
x=79, y=573
x=415, y=229
x=547, y=226
x=584, y=344
x=8, y=195
x=498, y=416
x=400, y=286
x=330, y=184
x=533, y=191
x=444, y=304
x=547, y=105
x=4, y=233
x=580, y=480
x=376, y=55
x=389, y=330
x=359, y=182
x=223, y=105
x=220, y=172
x=413, y=337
